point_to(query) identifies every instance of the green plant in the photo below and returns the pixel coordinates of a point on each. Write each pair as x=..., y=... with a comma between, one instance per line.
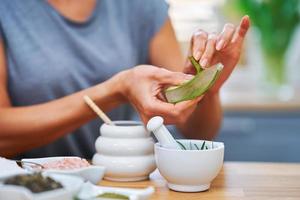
x=276, y=21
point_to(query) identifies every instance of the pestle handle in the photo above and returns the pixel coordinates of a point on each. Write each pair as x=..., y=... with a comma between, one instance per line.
x=161, y=133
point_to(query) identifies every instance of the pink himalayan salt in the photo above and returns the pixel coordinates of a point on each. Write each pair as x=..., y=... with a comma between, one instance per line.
x=67, y=163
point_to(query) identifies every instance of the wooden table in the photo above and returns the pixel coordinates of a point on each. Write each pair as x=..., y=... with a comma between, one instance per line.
x=236, y=181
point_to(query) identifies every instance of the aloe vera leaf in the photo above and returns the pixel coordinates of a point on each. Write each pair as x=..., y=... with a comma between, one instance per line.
x=195, y=87
x=196, y=64
x=110, y=195
x=181, y=145
x=203, y=145
x=197, y=147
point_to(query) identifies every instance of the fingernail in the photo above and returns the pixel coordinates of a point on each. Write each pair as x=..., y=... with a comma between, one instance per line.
x=220, y=45
x=197, y=55
x=203, y=62
x=189, y=77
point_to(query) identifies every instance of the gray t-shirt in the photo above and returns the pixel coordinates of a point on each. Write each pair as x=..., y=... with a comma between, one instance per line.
x=50, y=56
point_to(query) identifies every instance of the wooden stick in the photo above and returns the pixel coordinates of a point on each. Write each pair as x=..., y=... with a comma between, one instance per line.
x=97, y=110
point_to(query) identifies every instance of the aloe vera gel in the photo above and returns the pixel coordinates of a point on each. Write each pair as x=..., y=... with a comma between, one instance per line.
x=203, y=81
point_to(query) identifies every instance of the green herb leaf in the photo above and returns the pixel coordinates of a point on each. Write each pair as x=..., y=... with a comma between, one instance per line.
x=196, y=147
x=203, y=145
x=191, y=147
x=181, y=145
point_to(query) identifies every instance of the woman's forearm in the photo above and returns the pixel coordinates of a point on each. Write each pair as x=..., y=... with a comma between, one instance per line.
x=24, y=128
x=205, y=122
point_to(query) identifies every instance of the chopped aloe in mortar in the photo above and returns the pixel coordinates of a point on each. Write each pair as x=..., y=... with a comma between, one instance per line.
x=203, y=80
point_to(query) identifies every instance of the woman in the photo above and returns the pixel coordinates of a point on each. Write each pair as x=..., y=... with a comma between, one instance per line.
x=54, y=52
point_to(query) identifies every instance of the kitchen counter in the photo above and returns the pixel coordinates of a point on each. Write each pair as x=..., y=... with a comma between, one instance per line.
x=249, y=102
x=236, y=181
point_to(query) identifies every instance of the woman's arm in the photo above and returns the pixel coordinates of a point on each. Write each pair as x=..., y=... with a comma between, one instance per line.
x=24, y=128
x=27, y=127
x=205, y=120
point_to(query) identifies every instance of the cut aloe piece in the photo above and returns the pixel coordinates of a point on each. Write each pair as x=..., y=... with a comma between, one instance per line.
x=202, y=81
x=196, y=64
x=112, y=196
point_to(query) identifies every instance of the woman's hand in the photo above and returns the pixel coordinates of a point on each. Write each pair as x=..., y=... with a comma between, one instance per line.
x=143, y=85
x=224, y=48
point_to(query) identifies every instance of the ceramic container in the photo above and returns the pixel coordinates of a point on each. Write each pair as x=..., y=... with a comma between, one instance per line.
x=126, y=150
x=190, y=170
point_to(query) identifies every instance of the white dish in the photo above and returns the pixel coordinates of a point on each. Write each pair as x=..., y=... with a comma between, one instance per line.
x=89, y=191
x=9, y=168
x=71, y=186
x=190, y=170
x=92, y=173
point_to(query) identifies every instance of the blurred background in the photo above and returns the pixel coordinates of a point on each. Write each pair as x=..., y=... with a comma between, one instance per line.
x=262, y=98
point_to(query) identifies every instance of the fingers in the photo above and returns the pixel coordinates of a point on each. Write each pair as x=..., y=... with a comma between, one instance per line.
x=198, y=43
x=232, y=34
x=225, y=37
x=209, y=50
x=172, y=113
x=187, y=104
x=241, y=30
x=189, y=68
x=171, y=78
x=177, y=113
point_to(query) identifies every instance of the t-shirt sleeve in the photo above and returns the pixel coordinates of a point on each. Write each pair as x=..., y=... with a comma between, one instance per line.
x=155, y=14
x=1, y=32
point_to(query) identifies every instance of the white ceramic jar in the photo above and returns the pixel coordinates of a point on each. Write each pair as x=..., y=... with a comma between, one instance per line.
x=126, y=150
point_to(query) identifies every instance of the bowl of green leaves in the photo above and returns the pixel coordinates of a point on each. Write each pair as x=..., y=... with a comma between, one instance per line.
x=192, y=167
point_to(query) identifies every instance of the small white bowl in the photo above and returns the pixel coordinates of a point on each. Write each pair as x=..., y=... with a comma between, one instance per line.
x=92, y=173
x=190, y=170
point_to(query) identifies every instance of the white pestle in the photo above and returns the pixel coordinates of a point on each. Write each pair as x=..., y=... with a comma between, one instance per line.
x=164, y=137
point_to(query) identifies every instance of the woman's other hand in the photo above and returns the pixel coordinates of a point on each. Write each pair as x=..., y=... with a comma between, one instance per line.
x=143, y=85
x=212, y=48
